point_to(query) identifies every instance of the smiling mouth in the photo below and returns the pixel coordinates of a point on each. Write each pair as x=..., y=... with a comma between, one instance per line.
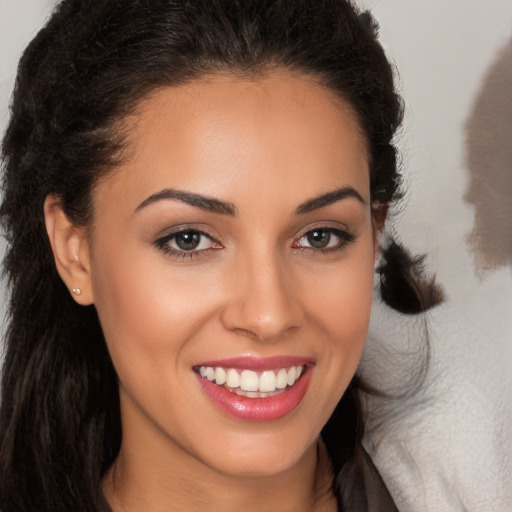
x=252, y=384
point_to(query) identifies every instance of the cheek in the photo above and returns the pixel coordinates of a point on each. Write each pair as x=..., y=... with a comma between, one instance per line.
x=347, y=317
x=343, y=305
x=342, y=296
x=148, y=312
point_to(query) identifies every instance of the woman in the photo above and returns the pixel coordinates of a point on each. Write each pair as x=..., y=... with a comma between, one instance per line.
x=194, y=198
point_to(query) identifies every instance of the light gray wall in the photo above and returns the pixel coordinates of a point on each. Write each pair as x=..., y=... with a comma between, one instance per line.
x=449, y=448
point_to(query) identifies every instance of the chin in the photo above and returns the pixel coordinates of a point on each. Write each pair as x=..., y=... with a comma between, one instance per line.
x=260, y=456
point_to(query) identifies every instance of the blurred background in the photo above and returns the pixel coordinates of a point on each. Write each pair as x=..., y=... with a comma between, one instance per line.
x=448, y=447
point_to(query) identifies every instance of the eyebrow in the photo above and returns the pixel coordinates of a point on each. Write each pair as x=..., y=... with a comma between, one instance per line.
x=213, y=205
x=205, y=203
x=329, y=198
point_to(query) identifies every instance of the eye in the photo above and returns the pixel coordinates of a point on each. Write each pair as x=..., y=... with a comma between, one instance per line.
x=186, y=243
x=319, y=238
x=324, y=239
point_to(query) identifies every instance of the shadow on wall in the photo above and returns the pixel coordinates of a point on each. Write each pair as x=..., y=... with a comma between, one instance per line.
x=489, y=163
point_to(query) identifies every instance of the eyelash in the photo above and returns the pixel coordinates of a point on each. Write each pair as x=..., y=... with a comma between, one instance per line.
x=345, y=238
x=163, y=244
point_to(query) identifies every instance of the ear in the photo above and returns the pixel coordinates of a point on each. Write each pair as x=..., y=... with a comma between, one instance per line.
x=70, y=250
x=379, y=215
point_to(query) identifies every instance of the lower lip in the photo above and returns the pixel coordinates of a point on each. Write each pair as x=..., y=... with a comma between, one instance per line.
x=258, y=409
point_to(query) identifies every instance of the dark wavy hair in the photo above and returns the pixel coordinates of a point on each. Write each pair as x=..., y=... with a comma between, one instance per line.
x=81, y=75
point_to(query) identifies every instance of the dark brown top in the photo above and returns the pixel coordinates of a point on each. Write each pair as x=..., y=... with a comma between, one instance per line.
x=361, y=488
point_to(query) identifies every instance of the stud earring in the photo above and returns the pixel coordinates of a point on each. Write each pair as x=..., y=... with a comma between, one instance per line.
x=77, y=291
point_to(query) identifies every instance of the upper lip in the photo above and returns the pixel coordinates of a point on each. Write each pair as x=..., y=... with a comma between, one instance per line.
x=258, y=363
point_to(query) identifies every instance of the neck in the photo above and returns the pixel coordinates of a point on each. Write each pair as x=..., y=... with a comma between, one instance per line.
x=139, y=481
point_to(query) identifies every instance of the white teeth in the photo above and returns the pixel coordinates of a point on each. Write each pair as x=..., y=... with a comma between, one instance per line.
x=282, y=379
x=232, y=378
x=267, y=381
x=249, y=383
x=256, y=394
x=210, y=373
x=220, y=376
x=292, y=373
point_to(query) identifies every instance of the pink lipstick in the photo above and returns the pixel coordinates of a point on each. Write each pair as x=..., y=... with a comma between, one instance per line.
x=256, y=389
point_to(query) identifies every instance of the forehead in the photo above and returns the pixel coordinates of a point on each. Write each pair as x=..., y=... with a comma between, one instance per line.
x=223, y=135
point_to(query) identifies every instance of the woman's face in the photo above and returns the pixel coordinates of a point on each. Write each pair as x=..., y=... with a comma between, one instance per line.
x=236, y=243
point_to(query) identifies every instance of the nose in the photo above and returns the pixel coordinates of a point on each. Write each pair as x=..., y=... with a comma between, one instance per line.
x=264, y=301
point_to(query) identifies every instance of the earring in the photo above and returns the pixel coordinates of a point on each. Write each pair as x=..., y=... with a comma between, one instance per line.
x=77, y=291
